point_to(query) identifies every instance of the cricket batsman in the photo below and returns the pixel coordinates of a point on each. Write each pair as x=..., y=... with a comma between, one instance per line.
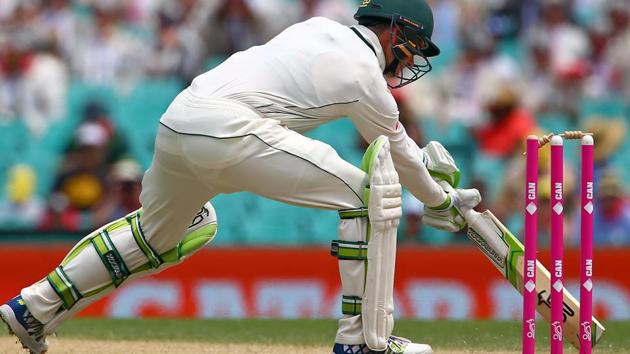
x=239, y=128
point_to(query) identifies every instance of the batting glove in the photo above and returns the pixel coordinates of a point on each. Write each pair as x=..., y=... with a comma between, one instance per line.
x=448, y=216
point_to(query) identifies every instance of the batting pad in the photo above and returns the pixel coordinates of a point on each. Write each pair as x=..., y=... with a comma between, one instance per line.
x=383, y=196
x=106, y=258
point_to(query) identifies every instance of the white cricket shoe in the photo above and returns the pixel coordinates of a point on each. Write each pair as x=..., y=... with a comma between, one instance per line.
x=395, y=345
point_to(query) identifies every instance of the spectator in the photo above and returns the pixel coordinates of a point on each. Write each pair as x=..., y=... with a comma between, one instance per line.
x=22, y=209
x=82, y=178
x=60, y=24
x=538, y=74
x=14, y=62
x=44, y=90
x=569, y=52
x=59, y=217
x=106, y=54
x=504, y=18
x=80, y=184
x=96, y=112
x=184, y=32
x=33, y=85
x=463, y=83
x=169, y=52
x=235, y=26
x=608, y=134
x=23, y=27
x=338, y=10
x=616, y=67
x=123, y=191
x=612, y=212
x=570, y=43
x=508, y=123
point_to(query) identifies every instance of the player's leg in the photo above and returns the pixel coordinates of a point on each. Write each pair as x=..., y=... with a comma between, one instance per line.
x=378, y=252
x=96, y=266
x=169, y=228
x=291, y=168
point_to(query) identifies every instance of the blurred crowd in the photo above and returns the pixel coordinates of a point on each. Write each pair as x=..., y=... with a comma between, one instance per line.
x=45, y=44
x=508, y=68
x=514, y=68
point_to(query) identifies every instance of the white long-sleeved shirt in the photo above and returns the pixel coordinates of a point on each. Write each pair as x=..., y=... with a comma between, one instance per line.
x=317, y=71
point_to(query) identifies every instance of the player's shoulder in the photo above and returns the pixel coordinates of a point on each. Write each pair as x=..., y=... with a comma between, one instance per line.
x=317, y=24
x=338, y=58
x=322, y=21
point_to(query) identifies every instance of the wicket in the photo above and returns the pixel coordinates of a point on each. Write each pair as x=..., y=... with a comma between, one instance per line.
x=556, y=236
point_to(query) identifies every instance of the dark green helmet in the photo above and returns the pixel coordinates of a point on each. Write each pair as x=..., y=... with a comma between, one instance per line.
x=413, y=15
x=411, y=25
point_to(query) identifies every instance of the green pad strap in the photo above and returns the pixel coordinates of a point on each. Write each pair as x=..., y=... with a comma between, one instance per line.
x=353, y=213
x=65, y=289
x=111, y=258
x=111, y=227
x=352, y=250
x=351, y=305
x=76, y=250
x=138, y=235
x=118, y=224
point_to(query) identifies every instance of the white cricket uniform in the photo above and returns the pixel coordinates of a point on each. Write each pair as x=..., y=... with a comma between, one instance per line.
x=237, y=128
x=242, y=122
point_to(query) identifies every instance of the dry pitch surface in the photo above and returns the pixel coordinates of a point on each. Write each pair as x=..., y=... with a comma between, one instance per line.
x=82, y=346
x=8, y=345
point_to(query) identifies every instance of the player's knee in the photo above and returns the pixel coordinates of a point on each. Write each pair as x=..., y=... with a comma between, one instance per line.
x=113, y=243
x=201, y=231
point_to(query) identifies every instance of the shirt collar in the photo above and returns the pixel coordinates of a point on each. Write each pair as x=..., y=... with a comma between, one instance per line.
x=371, y=37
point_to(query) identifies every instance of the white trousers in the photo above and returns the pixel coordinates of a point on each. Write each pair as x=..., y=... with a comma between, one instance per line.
x=205, y=147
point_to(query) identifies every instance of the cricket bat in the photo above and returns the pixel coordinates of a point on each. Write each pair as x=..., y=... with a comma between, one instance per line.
x=506, y=253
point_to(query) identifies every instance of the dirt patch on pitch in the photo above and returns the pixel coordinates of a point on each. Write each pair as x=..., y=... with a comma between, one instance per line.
x=8, y=345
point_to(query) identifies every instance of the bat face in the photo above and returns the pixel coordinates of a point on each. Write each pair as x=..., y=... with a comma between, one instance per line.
x=505, y=251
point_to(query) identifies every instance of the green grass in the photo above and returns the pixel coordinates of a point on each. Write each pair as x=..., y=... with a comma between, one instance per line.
x=442, y=335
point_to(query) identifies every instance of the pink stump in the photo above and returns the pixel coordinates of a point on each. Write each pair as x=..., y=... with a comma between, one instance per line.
x=557, y=219
x=586, y=243
x=529, y=264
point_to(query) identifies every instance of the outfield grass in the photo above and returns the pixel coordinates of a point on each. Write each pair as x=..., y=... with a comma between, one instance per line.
x=442, y=335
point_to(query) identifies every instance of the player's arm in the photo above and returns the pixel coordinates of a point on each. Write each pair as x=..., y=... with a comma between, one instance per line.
x=377, y=114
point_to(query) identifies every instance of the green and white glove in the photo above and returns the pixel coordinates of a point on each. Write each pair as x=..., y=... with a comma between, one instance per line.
x=449, y=216
x=440, y=163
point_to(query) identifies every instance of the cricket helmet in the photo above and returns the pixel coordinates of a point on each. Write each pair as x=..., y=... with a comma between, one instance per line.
x=411, y=25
